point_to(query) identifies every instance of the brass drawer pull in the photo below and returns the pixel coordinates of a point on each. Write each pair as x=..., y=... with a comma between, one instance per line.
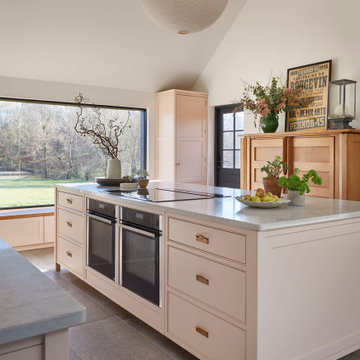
x=69, y=224
x=202, y=238
x=202, y=279
x=69, y=254
x=202, y=331
x=69, y=201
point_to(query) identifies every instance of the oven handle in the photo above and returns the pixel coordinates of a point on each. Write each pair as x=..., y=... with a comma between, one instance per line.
x=136, y=230
x=107, y=221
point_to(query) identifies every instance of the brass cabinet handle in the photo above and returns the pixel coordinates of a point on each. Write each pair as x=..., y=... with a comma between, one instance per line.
x=201, y=238
x=177, y=164
x=68, y=253
x=69, y=201
x=202, y=279
x=69, y=224
x=201, y=331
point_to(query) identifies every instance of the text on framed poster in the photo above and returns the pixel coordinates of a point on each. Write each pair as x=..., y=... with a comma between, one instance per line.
x=314, y=80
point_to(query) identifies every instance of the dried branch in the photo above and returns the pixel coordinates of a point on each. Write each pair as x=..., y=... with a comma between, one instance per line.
x=104, y=134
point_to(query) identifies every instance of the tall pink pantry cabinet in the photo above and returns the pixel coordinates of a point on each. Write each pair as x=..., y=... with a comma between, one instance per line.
x=181, y=136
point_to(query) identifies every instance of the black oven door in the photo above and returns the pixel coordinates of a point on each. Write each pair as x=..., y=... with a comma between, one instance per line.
x=101, y=245
x=140, y=262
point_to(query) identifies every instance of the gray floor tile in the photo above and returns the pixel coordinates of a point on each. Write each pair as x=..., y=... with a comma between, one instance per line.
x=94, y=310
x=73, y=355
x=175, y=351
x=111, y=339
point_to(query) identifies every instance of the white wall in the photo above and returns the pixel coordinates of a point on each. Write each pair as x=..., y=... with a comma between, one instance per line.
x=54, y=91
x=268, y=37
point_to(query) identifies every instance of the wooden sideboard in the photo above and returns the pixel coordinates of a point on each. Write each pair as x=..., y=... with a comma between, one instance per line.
x=334, y=154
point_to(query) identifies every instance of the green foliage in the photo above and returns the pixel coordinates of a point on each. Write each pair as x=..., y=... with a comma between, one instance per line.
x=274, y=168
x=142, y=174
x=294, y=182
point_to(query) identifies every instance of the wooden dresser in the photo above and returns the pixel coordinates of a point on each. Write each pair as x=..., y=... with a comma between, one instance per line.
x=334, y=154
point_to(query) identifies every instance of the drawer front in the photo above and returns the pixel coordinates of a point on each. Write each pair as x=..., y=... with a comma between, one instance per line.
x=70, y=255
x=71, y=226
x=214, y=284
x=219, y=242
x=214, y=338
x=71, y=201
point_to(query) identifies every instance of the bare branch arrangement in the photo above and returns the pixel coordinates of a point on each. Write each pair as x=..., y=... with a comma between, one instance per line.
x=104, y=133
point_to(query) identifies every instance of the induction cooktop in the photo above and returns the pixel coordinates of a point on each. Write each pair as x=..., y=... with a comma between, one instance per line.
x=164, y=195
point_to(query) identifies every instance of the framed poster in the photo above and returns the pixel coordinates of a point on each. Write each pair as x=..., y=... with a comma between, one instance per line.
x=314, y=79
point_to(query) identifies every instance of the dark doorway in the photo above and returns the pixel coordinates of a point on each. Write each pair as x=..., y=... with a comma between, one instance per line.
x=227, y=145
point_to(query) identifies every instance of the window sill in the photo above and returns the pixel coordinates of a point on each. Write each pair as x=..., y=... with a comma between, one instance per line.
x=26, y=213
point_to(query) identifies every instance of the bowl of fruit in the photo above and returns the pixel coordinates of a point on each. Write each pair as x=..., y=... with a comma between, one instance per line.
x=262, y=200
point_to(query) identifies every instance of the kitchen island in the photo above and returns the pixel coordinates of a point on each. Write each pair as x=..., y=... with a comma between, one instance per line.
x=35, y=314
x=235, y=282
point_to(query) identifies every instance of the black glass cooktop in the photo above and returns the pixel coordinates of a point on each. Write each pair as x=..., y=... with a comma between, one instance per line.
x=164, y=195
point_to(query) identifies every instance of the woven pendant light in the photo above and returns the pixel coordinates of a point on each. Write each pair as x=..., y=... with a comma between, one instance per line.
x=184, y=16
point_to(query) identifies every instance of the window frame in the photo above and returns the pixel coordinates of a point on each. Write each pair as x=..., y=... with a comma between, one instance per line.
x=143, y=131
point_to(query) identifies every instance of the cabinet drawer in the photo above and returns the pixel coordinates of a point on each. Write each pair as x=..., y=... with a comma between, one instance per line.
x=70, y=255
x=71, y=225
x=214, y=284
x=71, y=201
x=207, y=334
x=219, y=242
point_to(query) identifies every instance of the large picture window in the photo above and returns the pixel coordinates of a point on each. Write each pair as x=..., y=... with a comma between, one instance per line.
x=39, y=148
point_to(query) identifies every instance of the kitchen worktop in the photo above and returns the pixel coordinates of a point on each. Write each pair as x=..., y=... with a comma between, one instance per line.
x=229, y=211
x=30, y=303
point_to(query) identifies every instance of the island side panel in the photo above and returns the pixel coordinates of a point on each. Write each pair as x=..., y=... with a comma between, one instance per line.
x=308, y=291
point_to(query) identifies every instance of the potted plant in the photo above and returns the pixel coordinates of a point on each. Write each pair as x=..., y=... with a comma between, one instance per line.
x=270, y=100
x=104, y=133
x=273, y=169
x=297, y=187
x=142, y=175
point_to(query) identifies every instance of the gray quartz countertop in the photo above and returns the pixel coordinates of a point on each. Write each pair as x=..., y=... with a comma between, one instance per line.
x=30, y=303
x=229, y=211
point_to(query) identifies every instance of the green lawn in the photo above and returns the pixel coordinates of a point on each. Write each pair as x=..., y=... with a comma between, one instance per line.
x=27, y=191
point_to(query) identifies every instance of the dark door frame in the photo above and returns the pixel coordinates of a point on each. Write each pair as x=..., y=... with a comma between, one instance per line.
x=216, y=131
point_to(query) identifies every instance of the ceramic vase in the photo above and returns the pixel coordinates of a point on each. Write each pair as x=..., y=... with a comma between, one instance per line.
x=271, y=185
x=113, y=170
x=270, y=123
x=295, y=198
x=143, y=183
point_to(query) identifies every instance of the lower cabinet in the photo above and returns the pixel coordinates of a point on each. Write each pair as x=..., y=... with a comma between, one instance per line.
x=71, y=256
x=203, y=332
x=25, y=233
x=206, y=292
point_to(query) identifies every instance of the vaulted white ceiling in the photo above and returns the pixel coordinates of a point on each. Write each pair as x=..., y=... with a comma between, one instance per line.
x=107, y=43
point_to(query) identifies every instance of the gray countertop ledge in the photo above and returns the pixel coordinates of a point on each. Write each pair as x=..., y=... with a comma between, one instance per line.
x=229, y=211
x=30, y=303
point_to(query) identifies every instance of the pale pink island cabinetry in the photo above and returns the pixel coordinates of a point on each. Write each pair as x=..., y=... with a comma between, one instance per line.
x=236, y=283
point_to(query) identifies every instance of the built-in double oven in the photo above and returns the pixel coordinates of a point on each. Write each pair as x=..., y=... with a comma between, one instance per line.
x=124, y=244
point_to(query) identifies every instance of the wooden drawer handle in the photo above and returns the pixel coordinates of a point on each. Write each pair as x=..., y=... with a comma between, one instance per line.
x=201, y=331
x=202, y=238
x=202, y=279
x=69, y=224
x=69, y=201
x=69, y=254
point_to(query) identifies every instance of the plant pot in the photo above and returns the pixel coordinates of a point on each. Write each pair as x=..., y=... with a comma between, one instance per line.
x=270, y=123
x=113, y=170
x=143, y=183
x=271, y=185
x=295, y=198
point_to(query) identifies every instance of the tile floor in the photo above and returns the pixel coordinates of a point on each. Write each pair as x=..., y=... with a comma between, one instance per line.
x=110, y=332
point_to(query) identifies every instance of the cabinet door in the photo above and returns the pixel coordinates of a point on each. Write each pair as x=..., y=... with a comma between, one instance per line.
x=190, y=164
x=306, y=153
x=263, y=150
x=191, y=116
